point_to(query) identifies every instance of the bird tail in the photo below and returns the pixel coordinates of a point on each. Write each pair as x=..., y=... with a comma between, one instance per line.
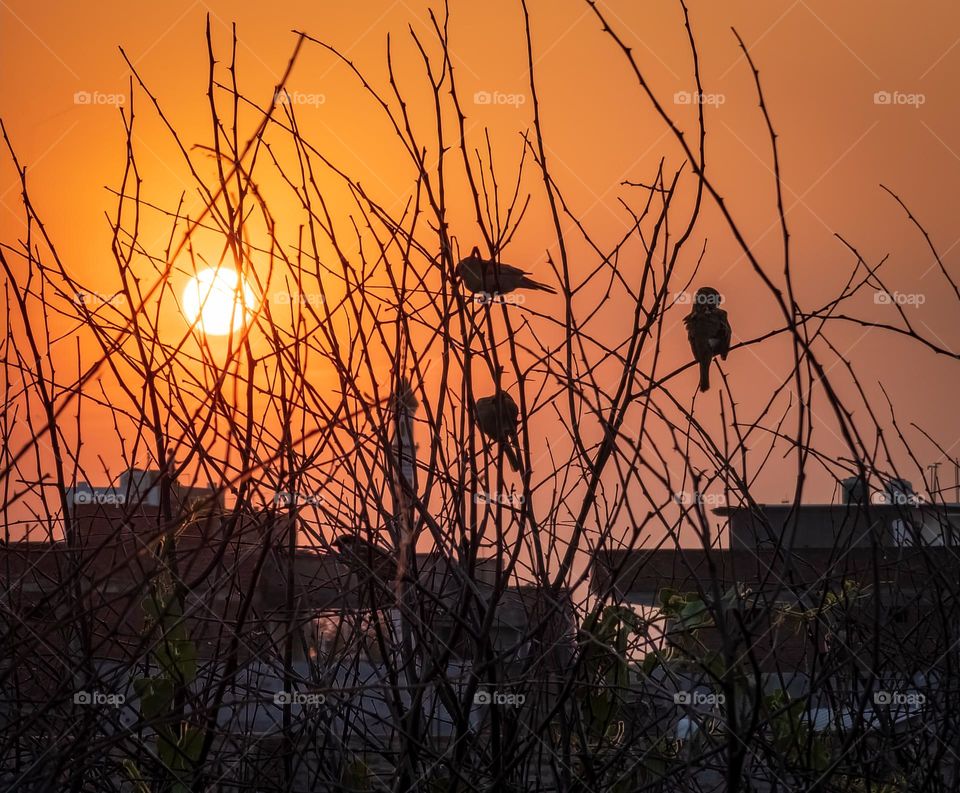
x=529, y=283
x=705, y=375
x=511, y=449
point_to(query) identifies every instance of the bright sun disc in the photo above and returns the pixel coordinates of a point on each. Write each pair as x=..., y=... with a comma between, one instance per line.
x=218, y=301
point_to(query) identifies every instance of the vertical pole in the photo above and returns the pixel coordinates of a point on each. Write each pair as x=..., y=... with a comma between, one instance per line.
x=404, y=466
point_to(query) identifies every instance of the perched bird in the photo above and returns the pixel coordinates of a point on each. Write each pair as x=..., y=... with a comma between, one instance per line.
x=492, y=277
x=497, y=417
x=708, y=331
x=365, y=558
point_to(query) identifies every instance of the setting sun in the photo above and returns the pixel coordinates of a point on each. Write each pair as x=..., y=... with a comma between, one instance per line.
x=218, y=300
x=511, y=396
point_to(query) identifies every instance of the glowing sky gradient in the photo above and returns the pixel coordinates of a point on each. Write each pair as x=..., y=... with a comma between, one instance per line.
x=822, y=65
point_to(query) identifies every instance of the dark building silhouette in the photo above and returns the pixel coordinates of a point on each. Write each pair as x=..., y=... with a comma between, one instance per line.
x=73, y=621
x=829, y=603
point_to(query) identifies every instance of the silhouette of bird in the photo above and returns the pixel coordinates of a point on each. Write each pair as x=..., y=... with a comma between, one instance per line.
x=497, y=418
x=492, y=277
x=365, y=558
x=708, y=331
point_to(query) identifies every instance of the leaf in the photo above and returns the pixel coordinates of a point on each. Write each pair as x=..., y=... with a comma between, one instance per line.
x=139, y=785
x=191, y=743
x=156, y=696
x=649, y=663
x=695, y=614
x=601, y=706
x=180, y=750
x=667, y=596
x=177, y=657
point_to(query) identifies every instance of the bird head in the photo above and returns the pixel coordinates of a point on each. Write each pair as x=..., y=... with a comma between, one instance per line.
x=475, y=253
x=707, y=298
x=505, y=402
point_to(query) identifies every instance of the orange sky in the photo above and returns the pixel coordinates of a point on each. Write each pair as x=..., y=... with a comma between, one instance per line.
x=821, y=65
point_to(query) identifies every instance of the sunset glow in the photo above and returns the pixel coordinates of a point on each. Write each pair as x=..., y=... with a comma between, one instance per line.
x=218, y=301
x=521, y=396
